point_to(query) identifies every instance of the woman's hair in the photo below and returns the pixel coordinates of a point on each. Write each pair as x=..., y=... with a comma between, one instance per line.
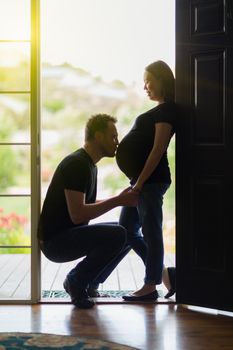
x=97, y=122
x=161, y=71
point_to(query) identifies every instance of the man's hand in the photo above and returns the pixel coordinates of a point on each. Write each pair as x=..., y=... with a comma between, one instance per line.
x=128, y=197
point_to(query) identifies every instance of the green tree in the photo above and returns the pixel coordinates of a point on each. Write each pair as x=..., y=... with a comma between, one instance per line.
x=8, y=167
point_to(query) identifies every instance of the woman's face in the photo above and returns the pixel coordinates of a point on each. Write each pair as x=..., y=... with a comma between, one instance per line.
x=153, y=87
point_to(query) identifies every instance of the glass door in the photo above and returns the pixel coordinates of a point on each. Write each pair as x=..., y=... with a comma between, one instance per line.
x=19, y=150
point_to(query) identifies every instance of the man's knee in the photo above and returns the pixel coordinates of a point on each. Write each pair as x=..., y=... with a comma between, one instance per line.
x=120, y=235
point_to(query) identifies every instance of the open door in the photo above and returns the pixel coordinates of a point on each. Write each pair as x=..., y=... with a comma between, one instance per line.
x=204, y=179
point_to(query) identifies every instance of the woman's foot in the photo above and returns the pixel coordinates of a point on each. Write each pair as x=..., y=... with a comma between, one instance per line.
x=146, y=289
x=147, y=292
x=169, y=280
x=166, y=279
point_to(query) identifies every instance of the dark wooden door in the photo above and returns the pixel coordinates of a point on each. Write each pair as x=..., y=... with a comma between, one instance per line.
x=204, y=154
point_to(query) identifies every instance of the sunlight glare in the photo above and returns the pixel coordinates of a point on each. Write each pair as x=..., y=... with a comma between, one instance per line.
x=15, y=20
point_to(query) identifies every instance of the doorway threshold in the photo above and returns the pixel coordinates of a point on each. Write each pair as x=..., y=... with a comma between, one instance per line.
x=127, y=277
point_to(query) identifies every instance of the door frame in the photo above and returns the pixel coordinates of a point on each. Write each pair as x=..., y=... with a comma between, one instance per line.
x=35, y=149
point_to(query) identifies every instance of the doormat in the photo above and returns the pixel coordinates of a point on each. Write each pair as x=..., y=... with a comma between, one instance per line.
x=61, y=294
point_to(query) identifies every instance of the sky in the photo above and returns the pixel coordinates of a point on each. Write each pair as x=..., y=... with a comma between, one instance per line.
x=114, y=39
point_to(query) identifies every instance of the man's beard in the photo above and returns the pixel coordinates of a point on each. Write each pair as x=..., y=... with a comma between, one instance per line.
x=108, y=153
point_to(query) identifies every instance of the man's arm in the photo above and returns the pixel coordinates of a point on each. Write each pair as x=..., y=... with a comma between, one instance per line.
x=81, y=212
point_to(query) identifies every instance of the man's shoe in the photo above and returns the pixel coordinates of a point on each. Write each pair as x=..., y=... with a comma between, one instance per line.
x=83, y=303
x=147, y=297
x=68, y=287
x=79, y=297
x=172, y=278
x=93, y=293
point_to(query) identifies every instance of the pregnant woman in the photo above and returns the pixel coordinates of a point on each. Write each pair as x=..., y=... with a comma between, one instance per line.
x=142, y=156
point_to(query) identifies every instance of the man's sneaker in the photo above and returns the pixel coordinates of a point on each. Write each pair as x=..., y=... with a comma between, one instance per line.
x=84, y=303
x=79, y=297
x=94, y=293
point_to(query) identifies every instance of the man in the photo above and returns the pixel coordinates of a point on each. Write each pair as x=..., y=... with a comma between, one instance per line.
x=64, y=232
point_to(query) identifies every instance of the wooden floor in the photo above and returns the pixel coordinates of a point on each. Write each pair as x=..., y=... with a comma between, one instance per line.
x=146, y=327
x=143, y=326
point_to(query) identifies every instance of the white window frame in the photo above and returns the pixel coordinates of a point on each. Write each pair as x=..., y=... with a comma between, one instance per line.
x=35, y=110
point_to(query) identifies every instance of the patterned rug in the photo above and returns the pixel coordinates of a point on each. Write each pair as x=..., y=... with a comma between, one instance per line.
x=38, y=341
x=61, y=294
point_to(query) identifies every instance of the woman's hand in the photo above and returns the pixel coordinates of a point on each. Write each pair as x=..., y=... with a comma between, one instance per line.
x=128, y=197
x=136, y=188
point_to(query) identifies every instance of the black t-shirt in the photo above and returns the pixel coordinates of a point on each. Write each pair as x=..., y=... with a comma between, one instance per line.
x=76, y=172
x=135, y=147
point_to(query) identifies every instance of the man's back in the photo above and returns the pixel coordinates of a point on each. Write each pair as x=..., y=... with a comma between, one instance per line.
x=76, y=172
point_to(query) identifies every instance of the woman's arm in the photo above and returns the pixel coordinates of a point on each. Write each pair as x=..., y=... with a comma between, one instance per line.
x=161, y=142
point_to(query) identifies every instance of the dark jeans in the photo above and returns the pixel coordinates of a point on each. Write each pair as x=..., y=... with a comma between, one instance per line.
x=99, y=243
x=148, y=217
x=151, y=218
x=130, y=220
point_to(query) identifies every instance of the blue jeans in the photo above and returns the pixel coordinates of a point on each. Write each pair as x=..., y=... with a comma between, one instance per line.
x=99, y=244
x=129, y=219
x=151, y=219
x=144, y=234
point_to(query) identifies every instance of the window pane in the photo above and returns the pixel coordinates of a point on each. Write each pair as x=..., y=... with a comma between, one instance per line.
x=15, y=277
x=14, y=118
x=14, y=66
x=15, y=20
x=15, y=223
x=14, y=169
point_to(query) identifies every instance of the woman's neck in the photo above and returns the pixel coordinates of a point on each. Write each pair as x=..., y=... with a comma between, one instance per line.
x=160, y=101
